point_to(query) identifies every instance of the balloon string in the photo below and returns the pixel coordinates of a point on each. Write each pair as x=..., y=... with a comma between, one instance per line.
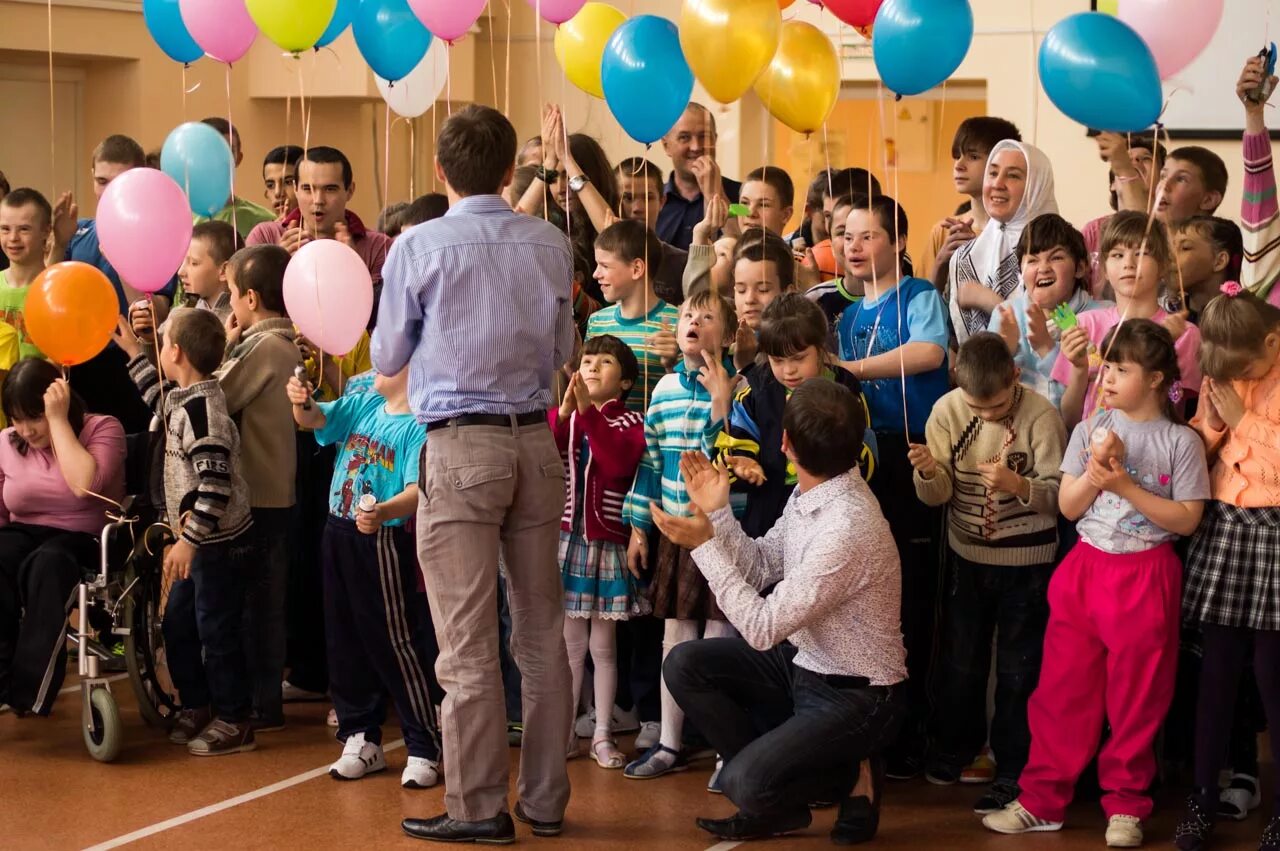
x=1035, y=73
x=386, y=156
x=648, y=288
x=434, y=185
x=568, y=213
x=306, y=139
x=507, y=92
x=448, y=77
x=232, y=132
x=185, y=66
x=942, y=123
x=155, y=342
x=493, y=63
x=897, y=257
x=53, y=135
x=413, y=159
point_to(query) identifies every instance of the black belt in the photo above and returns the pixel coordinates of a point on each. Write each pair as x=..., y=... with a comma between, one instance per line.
x=499, y=420
x=841, y=681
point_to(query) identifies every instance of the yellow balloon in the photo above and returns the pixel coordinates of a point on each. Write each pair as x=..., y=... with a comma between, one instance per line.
x=294, y=25
x=802, y=83
x=580, y=44
x=727, y=43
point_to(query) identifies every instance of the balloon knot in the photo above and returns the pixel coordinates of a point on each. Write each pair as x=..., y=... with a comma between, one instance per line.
x=897, y=98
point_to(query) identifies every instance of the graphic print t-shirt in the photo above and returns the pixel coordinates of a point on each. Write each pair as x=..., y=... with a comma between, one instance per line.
x=378, y=452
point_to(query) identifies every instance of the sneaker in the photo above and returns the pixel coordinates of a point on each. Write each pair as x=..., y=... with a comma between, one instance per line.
x=419, y=772
x=655, y=762
x=713, y=785
x=1016, y=818
x=358, y=759
x=1001, y=794
x=290, y=693
x=622, y=721
x=1241, y=796
x=903, y=768
x=650, y=732
x=942, y=775
x=981, y=770
x=1124, y=832
x=189, y=724
x=1196, y=826
x=223, y=737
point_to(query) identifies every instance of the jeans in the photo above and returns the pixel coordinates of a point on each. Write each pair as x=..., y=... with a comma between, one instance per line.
x=787, y=735
x=264, y=629
x=1011, y=603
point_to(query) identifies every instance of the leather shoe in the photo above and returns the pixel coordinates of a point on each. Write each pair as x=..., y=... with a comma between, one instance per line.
x=499, y=830
x=859, y=817
x=540, y=828
x=741, y=826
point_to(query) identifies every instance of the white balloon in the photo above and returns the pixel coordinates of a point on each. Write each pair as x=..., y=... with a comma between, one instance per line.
x=421, y=87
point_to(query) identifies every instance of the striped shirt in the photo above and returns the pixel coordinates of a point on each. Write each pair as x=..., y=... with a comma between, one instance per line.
x=1259, y=219
x=635, y=333
x=478, y=304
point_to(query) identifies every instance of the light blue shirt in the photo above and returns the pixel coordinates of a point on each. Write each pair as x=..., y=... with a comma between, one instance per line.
x=1036, y=370
x=479, y=304
x=378, y=452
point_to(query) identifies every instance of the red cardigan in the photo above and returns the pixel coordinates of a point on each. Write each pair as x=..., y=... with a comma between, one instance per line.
x=615, y=438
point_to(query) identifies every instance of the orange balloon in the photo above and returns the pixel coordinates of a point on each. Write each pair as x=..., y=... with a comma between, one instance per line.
x=70, y=312
x=782, y=4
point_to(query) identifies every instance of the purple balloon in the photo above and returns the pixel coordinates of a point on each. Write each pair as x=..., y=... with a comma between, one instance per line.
x=222, y=28
x=144, y=227
x=448, y=19
x=557, y=11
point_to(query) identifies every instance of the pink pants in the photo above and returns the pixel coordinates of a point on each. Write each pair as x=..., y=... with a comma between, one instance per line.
x=1111, y=650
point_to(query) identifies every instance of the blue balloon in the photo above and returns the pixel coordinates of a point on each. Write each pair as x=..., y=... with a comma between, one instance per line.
x=920, y=43
x=342, y=15
x=1098, y=71
x=390, y=37
x=198, y=158
x=164, y=22
x=647, y=82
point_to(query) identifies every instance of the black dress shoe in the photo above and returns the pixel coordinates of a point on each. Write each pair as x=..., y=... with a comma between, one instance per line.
x=741, y=827
x=540, y=828
x=859, y=817
x=499, y=830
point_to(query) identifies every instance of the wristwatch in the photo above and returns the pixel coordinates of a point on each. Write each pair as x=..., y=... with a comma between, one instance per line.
x=578, y=183
x=546, y=175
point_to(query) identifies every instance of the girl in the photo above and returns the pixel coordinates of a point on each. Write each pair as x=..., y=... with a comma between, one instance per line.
x=1110, y=649
x=1233, y=591
x=601, y=443
x=1138, y=259
x=762, y=270
x=1209, y=251
x=983, y=272
x=686, y=413
x=1055, y=270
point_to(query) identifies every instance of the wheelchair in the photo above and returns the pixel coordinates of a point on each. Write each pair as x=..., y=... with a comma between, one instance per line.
x=122, y=602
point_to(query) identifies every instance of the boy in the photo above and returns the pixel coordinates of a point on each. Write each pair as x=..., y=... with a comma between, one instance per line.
x=848, y=181
x=641, y=198
x=280, y=179
x=1194, y=181
x=626, y=251
x=261, y=358
x=1131, y=161
x=208, y=503
x=770, y=196
x=972, y=144
x=26, y=219
x=378, y=627
x=240, y=212
x=993, y=453
x=763, y=269
x=843, y=290
x=813, y=238
x=203, y=275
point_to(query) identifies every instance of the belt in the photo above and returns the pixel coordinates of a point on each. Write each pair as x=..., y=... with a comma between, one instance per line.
x=841, y=681
x=499, y=420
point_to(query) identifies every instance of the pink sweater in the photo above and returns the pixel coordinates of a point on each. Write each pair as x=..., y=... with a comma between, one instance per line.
x=33, y=491
x=1259, y=221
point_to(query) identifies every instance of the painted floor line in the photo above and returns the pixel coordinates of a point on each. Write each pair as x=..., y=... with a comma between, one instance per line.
x=195, y=815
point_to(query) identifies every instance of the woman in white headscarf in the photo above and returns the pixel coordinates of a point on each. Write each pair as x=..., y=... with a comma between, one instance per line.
x=1018, y=186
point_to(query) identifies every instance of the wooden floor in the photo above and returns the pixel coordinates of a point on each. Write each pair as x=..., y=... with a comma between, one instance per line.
x=54, y=796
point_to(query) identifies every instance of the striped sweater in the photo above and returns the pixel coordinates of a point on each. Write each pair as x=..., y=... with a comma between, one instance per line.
x=678, y=421
x=635, y=333
x=1259, y=221
x=202, y=485
x=615, y=442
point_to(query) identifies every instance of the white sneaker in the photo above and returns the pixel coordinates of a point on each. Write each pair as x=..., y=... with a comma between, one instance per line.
x=1016, y=818
x=1124, y=832
x=289, y=693
x=420, y=773
x=358, y=759
x=623, y=721
x=650, y=732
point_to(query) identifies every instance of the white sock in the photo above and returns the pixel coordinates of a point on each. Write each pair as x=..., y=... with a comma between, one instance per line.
x=604, y=657
x=674, y=632
x=575, y=641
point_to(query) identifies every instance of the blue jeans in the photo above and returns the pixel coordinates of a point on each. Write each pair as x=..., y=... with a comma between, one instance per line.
x=203, y=630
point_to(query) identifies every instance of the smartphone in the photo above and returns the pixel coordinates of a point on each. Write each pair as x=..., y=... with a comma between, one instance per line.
x=1263, y=92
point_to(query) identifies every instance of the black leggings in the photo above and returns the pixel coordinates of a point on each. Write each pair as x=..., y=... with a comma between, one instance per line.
x=1225, y=650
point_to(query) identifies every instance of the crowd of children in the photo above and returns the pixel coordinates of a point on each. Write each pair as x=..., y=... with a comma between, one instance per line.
x=1024, y=403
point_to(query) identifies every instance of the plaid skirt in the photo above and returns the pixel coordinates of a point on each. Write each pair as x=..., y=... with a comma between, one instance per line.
x=1233, y=568
x=678, y=589
x=596, y=580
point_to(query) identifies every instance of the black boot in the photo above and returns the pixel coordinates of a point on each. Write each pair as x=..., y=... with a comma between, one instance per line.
x=1193, y=832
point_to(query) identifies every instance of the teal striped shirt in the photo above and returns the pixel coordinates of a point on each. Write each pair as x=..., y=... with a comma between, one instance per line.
x=634, y=332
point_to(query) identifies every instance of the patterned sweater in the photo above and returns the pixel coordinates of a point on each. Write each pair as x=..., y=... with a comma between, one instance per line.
x=202, y=485
x=986, y=527
x=615, y=442
x=1259, y=222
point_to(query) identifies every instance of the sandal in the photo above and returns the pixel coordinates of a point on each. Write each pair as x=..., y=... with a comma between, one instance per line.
x=647, y=767
x=606, y=753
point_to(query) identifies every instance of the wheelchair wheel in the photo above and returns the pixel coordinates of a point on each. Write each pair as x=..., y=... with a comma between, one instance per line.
x=144, y=648
x=102, y=729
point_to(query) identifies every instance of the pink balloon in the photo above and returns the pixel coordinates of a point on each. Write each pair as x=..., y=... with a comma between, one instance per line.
x=557, y=11
x=144, y=227
x=448, y=19
x=1177, y=31
x=222, y=28
x=329, y=294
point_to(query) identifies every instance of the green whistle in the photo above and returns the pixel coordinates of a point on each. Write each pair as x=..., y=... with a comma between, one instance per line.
x=737, y=210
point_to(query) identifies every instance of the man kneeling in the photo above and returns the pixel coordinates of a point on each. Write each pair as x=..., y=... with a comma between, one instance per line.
x=830, y=697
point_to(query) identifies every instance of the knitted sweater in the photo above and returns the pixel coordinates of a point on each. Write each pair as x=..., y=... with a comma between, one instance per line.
x=1259, y=219
x=997, y=528
x=203, y=489
x=1245, y=459
x=615, y=442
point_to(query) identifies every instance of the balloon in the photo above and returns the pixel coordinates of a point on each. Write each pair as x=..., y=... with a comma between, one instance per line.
x=222, y=28
x=782, y=4
x=329, y=294
x=557, y=11
x=802, y=83
x=144, y=227
x=729, y=43
x=1177, y=31
x=1110, y=7
x=647, y=82
x=580, y=45
x=71, y=312
x=420, y=89
x=857, y=13
x=447, y=19
x=390, y=38
x=342, y=15
x=920, y=43
x=198, y=159
x=1098, y=71
x=164, y=21
x=294, y=25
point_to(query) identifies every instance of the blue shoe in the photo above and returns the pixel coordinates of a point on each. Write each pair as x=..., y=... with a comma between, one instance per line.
x=647, y=767
x=713, y=785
